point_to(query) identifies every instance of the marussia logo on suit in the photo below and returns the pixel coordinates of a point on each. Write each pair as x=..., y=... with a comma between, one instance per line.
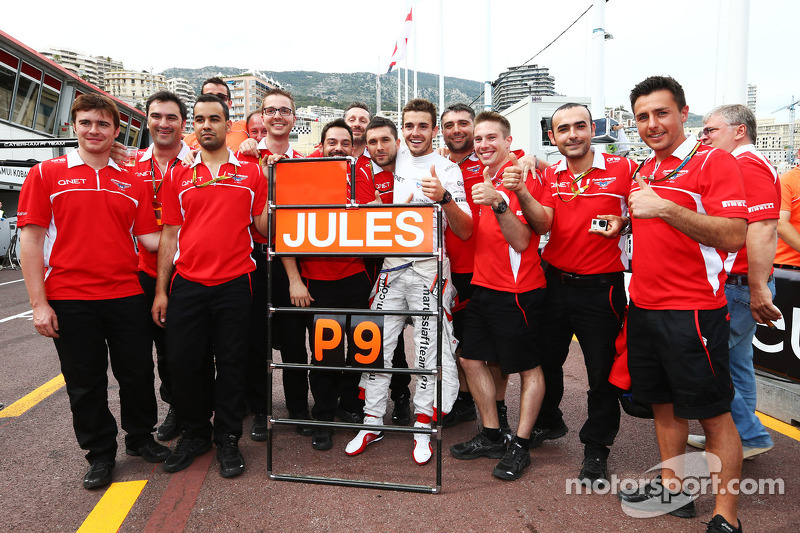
x=121, y=184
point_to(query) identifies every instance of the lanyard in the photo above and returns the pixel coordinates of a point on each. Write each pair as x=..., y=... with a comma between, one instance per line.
x=156, y=188
x=576, y=191
x=668, y=176
x=213, y=180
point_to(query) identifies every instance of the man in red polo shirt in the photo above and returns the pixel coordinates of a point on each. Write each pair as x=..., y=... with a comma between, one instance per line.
x=503, y=318
x=166, y=118
x=585, y=294
x=330, y=282
x=750, y=285
x=689, y=211
x=212, y=202
x=87, y=297
x=787, y=254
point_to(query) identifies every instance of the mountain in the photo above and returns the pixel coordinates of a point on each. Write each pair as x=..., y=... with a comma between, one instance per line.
x=340, y=89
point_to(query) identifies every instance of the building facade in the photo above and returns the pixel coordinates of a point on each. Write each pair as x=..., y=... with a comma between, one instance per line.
x=520, y=82
x=91, y=68
x=134, y=87
x=247, y=93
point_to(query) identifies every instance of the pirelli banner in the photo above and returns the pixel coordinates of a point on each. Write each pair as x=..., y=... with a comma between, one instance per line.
x=778, y=350
x=315, y=215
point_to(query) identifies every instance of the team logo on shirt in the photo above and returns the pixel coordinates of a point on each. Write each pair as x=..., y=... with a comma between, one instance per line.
x=734, y=203
x=121, y=184
x=236, y=177
x=603, y=183
x=613, y=159
x=476, y=168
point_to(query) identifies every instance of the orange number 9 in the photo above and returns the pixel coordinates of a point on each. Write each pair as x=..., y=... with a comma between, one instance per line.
x=373, y=345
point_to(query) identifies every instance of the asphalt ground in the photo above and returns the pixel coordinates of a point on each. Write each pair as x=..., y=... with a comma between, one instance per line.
x=42, y=470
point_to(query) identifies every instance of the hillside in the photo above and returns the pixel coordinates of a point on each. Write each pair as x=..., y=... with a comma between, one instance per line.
x=338, y=89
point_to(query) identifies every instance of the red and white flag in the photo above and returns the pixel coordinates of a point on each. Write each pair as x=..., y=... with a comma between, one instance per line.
x=401, y=45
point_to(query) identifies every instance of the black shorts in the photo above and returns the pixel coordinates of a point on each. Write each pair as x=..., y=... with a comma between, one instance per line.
x=464, y=287
x=681, y=357
x=505, y=328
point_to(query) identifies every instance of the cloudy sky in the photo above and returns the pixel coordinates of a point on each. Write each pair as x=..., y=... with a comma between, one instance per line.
x=683, y=38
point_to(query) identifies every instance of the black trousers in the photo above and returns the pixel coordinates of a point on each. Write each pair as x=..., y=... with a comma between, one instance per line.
x=257, y=388
x=326, y=387
x=92, y=332
x=148, y=284
x=199, y=316
x=593, y=315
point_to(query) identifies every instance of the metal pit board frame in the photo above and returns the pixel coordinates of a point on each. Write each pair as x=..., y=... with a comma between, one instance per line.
x=436, y=252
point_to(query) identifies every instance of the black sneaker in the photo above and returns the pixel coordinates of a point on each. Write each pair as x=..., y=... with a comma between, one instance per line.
x=149, y=450
x=720, y=525
x=259, y=430
x=502, y=417
x=231, y=462
x=401, y=415
x=306, y=431
x=462, y=411
x=479, y=446
x=594, y=473
x=513, y=462
x=185, y=452
x=99, y=475
x=323, y=439
x=170, y=428
x=539, y=435
x=654, y=499
x=351, y=417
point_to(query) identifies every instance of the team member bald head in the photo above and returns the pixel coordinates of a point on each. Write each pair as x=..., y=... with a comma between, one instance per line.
x=417, y=179
x=584, y=279
x=733, y=128
x=502, y=322
x=91, y=302
x=689, y=211
x=255, y=126
x=166, y=119
x=216, y=86
x=215, y=200
x=357, y=116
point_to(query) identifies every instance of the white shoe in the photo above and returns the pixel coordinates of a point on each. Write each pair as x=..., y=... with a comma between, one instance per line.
x=365, y=437
x=697, y=441
x=422, y=445
x=749, y=452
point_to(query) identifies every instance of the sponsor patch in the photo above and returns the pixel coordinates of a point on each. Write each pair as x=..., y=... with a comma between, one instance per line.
x=121, y=184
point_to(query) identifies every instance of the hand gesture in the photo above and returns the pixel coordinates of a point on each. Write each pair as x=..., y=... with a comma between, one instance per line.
x=431, y=186
x=645, y=203
x=514, y=177
x=484, y=193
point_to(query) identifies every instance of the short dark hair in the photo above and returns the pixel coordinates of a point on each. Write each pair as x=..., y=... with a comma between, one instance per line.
x=216, y=81
x=337, y=123
x=492, y=116
x=280, y=92
x=100, y=102
x=423, y=106
x=459, y=107
x=382, y=122
x=166, y=96
x=359, y=105
x=212, y=98
x=570, y=105
x=659, y=83
x=735, y=114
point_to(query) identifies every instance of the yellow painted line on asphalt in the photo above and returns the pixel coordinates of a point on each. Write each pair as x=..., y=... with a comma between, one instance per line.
x=780, y=427
x=31, y=399
x=113, y=507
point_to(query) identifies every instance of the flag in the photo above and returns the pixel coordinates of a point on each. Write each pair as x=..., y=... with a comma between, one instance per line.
x=402, y=42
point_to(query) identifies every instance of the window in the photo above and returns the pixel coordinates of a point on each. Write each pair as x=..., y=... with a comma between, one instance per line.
x=46, y=114
x=27, y=94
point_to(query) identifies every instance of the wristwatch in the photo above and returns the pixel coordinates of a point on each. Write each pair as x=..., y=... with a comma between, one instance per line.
x=501, y=207
x=626, y=229
x=446, y=197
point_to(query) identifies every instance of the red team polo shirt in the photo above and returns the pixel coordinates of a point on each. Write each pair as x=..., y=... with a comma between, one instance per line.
x=145, y=168
x=672, y=271
x=214, y=242
x=370, y=178
x=497, y=265
x=571, y=247
x=89, y=251
x=762, y=190
x=460, y=252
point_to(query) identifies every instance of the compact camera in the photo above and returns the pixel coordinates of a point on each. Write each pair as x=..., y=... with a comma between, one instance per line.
x=599, y=224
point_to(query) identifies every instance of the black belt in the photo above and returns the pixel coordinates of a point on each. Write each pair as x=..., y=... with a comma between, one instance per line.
x=260, y=247
x=584, y=280
x=788, y=267
x=736, y=279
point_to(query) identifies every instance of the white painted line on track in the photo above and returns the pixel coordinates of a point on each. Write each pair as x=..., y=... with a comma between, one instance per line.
x=15, y=281
x=26, y=314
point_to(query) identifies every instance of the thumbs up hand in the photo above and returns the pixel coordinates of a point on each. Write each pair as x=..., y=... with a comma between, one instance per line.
x=645, y=203
x=431, y=186
x=513, y=176
x=484, y=193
